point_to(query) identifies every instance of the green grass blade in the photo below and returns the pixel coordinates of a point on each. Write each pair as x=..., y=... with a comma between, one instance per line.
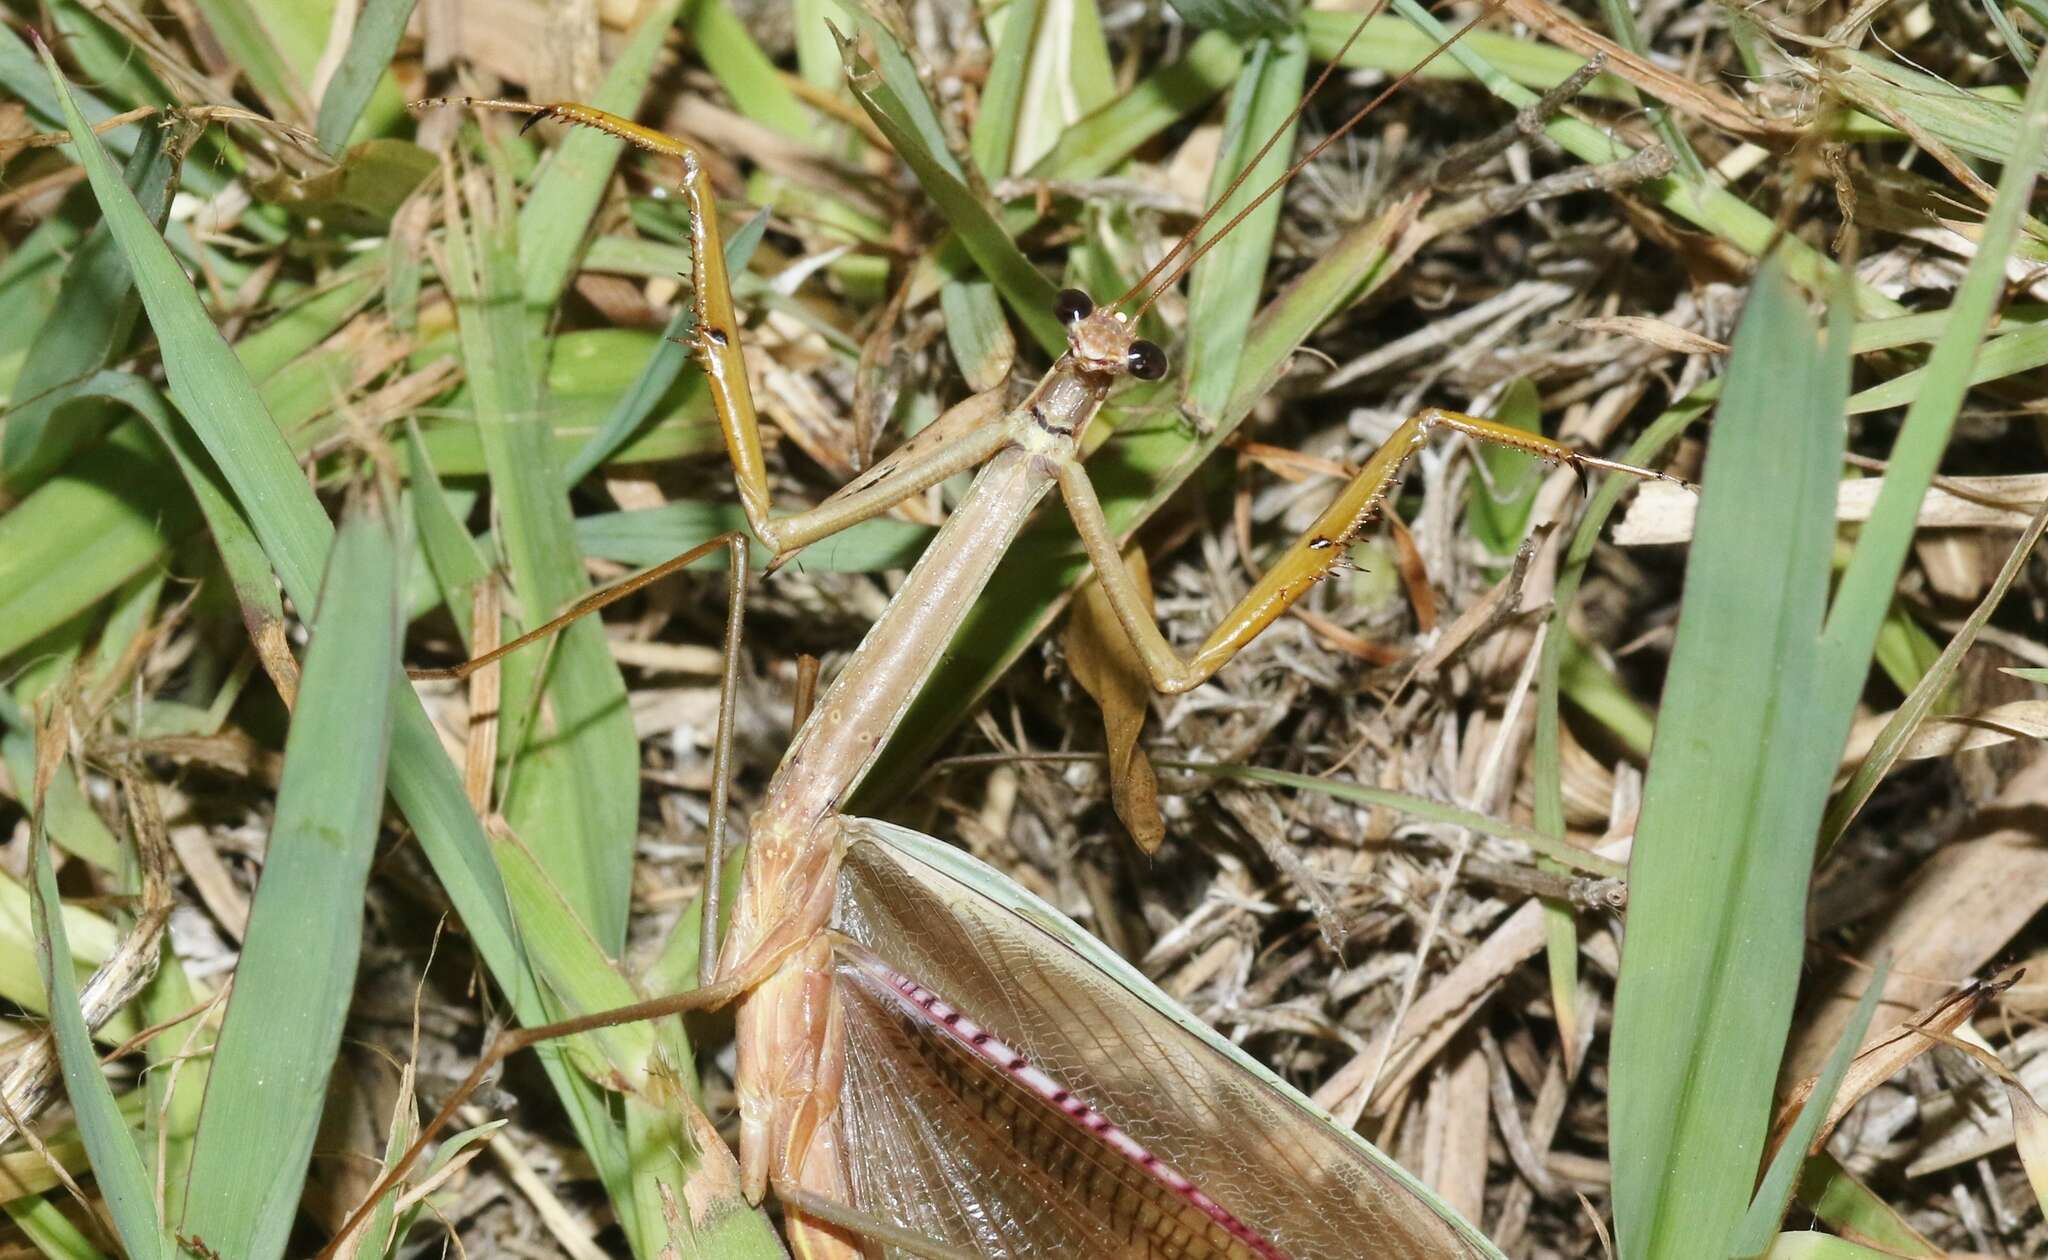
x=744, y=70
x=452, y=557
x=1414, y=806
x=370, y=50
x=1717, y=881
x=240, y=553
x=995, y=126
x=1266, y=18
x=1945, y=113
x=1028, y=293
x=271, y=45
x=573, y=788
x=121, y=499
x=1094, y=145
x=1925, y=694
x=298, y=963
x=1839, y=1199
x=73, y=825
x=1223, y=287
x=2010, y=354
x=44, y=1224
x=104, y=55
x=983, y=345
x=1767, y=1209
x=1806, y=1245
x=112, y=502
x=29, y=83
x=1502, y=500
x=1621, y=23
x=645, y=537
x=1546, y=754
x=99, y=304
x=1069, y=78
x=123, y=1181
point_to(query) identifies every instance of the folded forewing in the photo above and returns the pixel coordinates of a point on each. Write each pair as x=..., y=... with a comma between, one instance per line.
x=957, y=1139
x=1156, y=1136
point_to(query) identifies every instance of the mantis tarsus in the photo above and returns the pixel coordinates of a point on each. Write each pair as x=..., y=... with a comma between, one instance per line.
x=812, y=954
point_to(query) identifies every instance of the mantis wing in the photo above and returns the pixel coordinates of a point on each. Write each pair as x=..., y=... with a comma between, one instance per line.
x=1106, y=1120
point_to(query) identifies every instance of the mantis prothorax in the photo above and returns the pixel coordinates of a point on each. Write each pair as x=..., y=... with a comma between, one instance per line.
x=844, y=944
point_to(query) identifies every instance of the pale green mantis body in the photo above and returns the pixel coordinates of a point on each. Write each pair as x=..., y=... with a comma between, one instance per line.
x=855, y=948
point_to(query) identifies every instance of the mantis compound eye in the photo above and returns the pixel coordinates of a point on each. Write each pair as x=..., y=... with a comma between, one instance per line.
x=1146, y=361
x=1072, y=306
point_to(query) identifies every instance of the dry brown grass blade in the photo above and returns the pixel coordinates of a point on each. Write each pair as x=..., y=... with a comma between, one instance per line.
x=1714, y=108
x=2030, y=1134
x=1885, y=1056
x=2006, y=502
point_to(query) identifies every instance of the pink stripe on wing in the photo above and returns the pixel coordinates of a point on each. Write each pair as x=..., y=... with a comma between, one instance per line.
x=1019, y=1068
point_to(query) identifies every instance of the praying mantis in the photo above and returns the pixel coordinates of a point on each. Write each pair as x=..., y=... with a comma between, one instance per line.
x=873, y=968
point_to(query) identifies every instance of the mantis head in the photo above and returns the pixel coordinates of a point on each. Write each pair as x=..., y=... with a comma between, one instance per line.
x=1104, y=341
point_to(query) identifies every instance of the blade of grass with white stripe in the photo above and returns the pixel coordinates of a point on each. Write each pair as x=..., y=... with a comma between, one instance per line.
x=1013, y=33
x=904, y=117
x=1737, y=778
x=298, y=963
x=1095, y=144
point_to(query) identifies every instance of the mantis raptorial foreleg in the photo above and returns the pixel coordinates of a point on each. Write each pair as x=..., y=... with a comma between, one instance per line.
x=1308, y=561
